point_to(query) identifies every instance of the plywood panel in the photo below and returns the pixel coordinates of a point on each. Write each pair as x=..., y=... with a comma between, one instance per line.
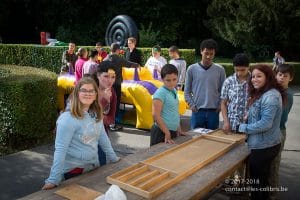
x=183, y=159
x=78, y=192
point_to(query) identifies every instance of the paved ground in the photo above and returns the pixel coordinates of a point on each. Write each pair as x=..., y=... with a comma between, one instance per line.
x=24, y=172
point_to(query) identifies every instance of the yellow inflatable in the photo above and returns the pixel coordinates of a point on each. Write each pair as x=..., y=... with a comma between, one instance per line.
x=139, y=94
x=65, y=85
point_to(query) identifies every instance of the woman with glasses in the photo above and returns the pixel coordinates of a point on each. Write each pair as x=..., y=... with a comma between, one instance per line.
x=80, y=130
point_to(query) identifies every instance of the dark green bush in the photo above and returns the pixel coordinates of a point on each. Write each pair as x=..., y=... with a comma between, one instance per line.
x=296, y=81
x=27, y=106
x=50, y=57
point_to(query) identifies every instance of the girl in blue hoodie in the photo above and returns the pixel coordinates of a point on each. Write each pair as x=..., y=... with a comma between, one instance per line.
x=79, y=131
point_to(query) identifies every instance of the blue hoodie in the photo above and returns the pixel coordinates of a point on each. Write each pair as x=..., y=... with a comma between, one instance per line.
x=76, y=145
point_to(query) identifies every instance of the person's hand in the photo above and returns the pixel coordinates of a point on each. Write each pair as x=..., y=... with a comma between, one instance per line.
x=245, y=118
x=107, y=94
x=48, y=186
x=181, y=133
x=168, y=139
x=194, y=109
x=226, y=127
x=117, y=160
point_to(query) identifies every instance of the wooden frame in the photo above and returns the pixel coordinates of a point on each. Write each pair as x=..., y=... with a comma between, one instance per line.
x=151, y=177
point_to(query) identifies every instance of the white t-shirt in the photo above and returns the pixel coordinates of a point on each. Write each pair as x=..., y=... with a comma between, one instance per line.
x=152, y=62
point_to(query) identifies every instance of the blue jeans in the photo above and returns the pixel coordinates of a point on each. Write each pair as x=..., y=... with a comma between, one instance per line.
x=205, y=119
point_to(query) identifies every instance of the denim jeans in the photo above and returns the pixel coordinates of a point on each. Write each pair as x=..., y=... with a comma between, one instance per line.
x=205, y=119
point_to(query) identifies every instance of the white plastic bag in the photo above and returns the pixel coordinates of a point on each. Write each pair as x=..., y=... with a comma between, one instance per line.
x=113, y=193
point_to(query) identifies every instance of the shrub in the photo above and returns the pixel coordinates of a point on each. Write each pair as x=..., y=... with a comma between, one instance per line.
x=296, y=81
x=50, y=57
x=27, y=106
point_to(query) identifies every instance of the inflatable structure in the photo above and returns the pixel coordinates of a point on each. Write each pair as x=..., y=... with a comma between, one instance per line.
x=137, y=89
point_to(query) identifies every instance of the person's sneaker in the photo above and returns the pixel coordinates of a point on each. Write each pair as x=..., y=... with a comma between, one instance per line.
x=115, y=127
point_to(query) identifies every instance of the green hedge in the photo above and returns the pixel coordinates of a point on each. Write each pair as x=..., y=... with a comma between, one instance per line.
x=27, y=106
x=296, y=81
x=50, y=57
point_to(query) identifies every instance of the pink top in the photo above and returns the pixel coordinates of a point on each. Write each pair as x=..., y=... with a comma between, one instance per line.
x=78, y=68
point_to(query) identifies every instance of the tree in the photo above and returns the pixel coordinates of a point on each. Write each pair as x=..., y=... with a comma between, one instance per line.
x=256, y=25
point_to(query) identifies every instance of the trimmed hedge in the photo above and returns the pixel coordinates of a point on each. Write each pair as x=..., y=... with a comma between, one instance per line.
x=49, y=58
x=296, y=81
x=27, y=106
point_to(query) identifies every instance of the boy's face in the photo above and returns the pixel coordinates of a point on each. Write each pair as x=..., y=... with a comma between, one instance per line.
x=155, y=54
x=283, y=79
x=207, y=56
x=170, y=81
x=171, y=54
x=241, y=71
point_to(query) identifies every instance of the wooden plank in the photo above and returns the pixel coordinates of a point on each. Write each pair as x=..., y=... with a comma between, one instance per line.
x=144, y=178
x=126, y=170
x=128, y=187
x=183, y=159
x=154, y=181
x=231, y=136
x=133, y=173
x=78, y=192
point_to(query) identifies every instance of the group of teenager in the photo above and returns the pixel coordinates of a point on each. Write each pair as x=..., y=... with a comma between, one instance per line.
x=255, y=101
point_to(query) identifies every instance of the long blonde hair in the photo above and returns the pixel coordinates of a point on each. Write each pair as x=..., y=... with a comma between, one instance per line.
x=76, y=106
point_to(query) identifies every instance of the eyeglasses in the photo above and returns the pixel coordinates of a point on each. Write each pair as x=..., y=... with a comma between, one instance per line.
x=85, y=91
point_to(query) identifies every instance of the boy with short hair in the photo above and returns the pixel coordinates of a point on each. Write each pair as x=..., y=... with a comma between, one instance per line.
x=284, y=74
x=234, y=94
x=165, y=108
x=179, y=63
x=202, y=88
x=156, y=62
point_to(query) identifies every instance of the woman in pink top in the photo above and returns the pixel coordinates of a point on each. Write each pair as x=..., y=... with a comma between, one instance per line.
x=82, y=58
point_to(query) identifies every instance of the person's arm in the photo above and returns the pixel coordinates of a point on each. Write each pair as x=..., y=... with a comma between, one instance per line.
x=182, y=74
x=226, y=125
x=179, y=131
x=188, y=90
x=106, y=146
x=156, y=111
x=130, y=64
x=64, y=133
x=269, y=106
x=64, y=58
x=110, y=116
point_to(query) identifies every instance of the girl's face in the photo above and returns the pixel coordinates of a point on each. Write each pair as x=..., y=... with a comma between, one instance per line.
x=85, y=54
x=258, y=79
x=87, y=95
x=107, y=79
x=170, y=81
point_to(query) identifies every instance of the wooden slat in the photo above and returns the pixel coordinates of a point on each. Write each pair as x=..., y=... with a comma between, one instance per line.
x=154, y=181
x=144, y=178
x=218, y=139
x=133, y=173
x=129, y=188
x=126, y=170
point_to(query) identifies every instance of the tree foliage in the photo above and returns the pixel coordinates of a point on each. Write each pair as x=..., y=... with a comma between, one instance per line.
x=256, y=25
